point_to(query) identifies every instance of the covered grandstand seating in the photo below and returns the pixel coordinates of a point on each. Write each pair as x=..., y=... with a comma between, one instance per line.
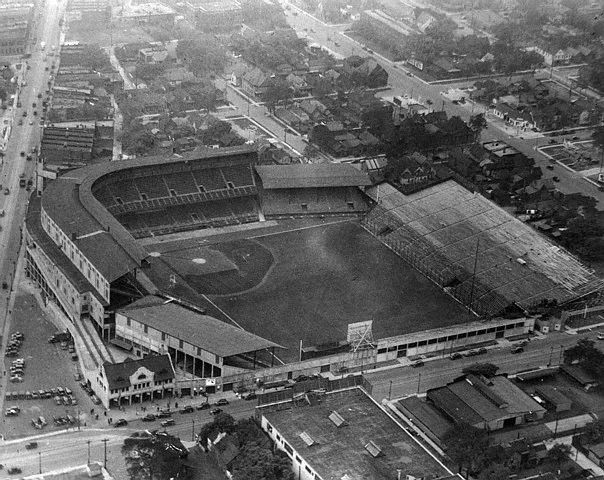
x=184, y=217
x=315, y=189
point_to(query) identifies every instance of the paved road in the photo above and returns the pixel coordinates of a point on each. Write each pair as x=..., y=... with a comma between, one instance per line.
x=435, y=373
x=71, y=448
x=402, y=83
x=22, y=139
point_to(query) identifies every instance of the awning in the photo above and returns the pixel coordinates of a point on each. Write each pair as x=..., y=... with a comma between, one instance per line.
x=121, y=344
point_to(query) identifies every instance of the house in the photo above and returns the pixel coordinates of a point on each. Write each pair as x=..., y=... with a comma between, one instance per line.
x=153, y=55
x=224, y=448
x=365, y=71
x=177, y=76
x=298, y=84
x=255, y=82
x=596, y=454
x=446, y=66
x=316, y=111
x=512, y=116
x=487, y=403
x=487, y=57
x=135, y=381
x=580, y=376
x=410, y=170
x=238, y=71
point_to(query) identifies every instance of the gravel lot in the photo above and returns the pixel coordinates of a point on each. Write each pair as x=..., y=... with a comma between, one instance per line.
x=46, y=366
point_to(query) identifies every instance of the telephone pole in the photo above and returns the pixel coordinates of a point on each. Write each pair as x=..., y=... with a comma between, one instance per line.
x=193, y=430
x=105, y=440
x=88, y=442
x=40, y=462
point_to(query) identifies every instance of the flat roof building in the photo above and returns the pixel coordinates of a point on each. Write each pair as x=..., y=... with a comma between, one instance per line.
x=346, y=435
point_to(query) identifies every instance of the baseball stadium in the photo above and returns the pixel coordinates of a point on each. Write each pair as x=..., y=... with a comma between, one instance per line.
x=286, y=258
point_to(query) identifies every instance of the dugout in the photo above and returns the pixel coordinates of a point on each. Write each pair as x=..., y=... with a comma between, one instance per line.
x=315, y=189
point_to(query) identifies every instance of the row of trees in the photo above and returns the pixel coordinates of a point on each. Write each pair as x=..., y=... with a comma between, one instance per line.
x=588, y=357
x=153, y=457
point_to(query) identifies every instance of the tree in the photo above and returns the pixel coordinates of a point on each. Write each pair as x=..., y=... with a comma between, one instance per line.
x=149, y=71
x=147, y=457
x=594, y=431
x=496, y=471
x=222, y=423
x=462, y=442
x=257, y=462
x=590, y=358
x=477, y=124
x=486, y=369
x=598, y=137
x=278, y=92
x=558, y=453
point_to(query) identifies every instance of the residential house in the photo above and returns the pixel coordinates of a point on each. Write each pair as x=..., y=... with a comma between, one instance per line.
x=446, y=66
x=177, y=76
x=365, y=71
x=412, y=170
x=298, y=84
x=513, y=116
x=238, y=71
x=153, y=55
x=316, y=111
x=255, y=82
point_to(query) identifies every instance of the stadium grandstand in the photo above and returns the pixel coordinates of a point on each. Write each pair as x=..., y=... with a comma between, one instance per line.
x=481, y=254
x=80, y=254
x=318, y=189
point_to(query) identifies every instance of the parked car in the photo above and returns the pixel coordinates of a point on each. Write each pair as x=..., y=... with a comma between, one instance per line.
x=222, y=401
x=164, y=414
x=95, y=399
x=31, y=445
x=187, y=409
x=168, y=423
x=149, y=418
x=482, y=351
x=518, y=349
x=14, y=471
x=549, y=167
x=417, y=363
x=455, y=356
x=122, y=422
x=203, y=406
x=250, y=396
x=215, y=411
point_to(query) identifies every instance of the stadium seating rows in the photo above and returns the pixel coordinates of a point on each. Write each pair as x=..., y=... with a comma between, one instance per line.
x=160, y=185
x=182, y=217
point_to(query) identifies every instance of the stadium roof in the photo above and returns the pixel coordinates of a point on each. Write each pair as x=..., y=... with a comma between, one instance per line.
x=311, y=176
x=70, y=203
x=208, y=333
x=443, y=225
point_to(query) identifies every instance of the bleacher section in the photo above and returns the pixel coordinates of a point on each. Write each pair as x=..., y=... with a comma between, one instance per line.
x=484, y=256
x=186, y=217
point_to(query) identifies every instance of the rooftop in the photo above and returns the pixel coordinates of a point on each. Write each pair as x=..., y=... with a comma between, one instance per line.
x=118, y=374
x=341, y=452
x=93, y=470
x=203, y=331
x=311, y=176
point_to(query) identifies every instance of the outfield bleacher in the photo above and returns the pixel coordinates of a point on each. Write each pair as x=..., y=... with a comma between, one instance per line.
x=485, y=257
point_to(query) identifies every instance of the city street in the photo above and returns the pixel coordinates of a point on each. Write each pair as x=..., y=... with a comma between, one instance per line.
x=13, y=199
x=67, y=449
x=435, y=373
x=401, y=82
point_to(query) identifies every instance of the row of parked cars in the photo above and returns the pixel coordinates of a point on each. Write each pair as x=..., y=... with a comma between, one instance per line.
x=151, y=417
x=17, y=369
x=90, y=392
x=14, y=344
x=40, y=394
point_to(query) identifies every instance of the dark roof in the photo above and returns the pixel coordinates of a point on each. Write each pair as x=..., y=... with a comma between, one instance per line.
x=552, y=395
x=52, y=250
x=70, y=203
x=312, y=175
x=208, y=333
x=118, y=374
x=578, y=374
x=453, y=406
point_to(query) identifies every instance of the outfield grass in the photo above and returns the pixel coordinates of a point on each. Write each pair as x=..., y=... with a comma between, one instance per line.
x=322, y=279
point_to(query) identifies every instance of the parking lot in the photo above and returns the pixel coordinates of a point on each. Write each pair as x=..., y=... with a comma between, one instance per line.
x=46, y=366
x=578, y=156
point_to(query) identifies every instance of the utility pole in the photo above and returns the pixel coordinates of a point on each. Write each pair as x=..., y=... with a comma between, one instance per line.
x=105, y=440
x=419, y=381
x=390, y=390
x=40, y=462
x=88, y=442
x=193, y=430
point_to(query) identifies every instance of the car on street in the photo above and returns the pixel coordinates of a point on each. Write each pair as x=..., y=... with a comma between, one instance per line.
x=250, y=396
x=455, y=356
x=187, y=409
x=482, y=351
x=10, y=412
x=222, y=401
x=168, y=423
x=549, y=167
x=215, y=411
x=122, y=422
x=14, y=471
x=149, y=418
x=203, y=406
x=163, y=414
x=417, y=363
x=517, y=349
x=31, y=445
